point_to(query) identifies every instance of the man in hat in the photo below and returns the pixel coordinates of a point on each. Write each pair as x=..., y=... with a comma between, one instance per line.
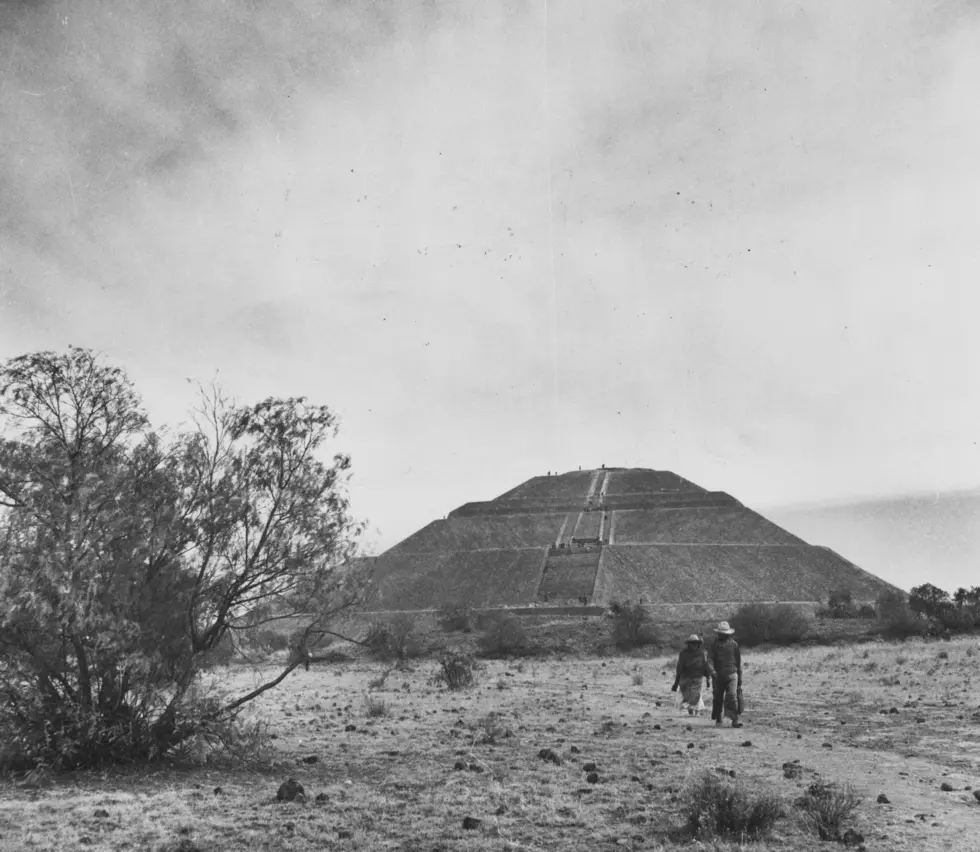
x=725, y=665
x=692, y=668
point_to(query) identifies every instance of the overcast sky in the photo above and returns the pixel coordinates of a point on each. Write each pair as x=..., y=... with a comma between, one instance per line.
x=737, y=240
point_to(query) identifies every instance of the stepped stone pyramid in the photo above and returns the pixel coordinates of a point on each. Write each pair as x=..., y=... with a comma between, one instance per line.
x=612, y=534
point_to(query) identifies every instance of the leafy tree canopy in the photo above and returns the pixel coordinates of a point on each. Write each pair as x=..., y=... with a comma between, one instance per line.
x=128, y=555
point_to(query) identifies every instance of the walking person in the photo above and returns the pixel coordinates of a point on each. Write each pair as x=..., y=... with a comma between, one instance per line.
x=725, y=667
x=692, y=668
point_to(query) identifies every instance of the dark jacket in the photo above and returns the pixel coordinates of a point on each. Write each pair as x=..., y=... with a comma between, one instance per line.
x=692, y=664
x=726, y=659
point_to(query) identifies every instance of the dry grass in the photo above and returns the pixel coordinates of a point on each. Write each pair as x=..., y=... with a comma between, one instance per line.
x=406, y=780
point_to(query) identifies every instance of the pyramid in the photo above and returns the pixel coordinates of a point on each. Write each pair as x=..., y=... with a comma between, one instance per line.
x=592, y=537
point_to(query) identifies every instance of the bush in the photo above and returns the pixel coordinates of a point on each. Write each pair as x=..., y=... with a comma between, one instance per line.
x=454, y=618
x=840, y=604
x=930, y=601
x=867, y=611
x=826, y=807
x=896, y=619
x=394, y=639
x=456, y=670
x=375, y=707
x=778, y=624
x=503, y=636
x=632, y=627
x=221, y=654
x=717, y=807
x=128, y=557
x=379, y=681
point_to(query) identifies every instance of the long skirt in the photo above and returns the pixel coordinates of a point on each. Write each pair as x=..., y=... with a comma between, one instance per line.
x=691, y=691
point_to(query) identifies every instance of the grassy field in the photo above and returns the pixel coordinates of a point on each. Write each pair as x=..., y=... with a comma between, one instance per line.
x=898, y=720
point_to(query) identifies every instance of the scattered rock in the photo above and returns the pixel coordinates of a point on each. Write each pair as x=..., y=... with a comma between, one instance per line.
x=747, y=744
x=501, y=810
x=893, y=710
x=852, y=838
x=827, y=745
x=350, y=727
x=919, y=719
x=291, y=790
x=218, y=791
x=946, y=787
x=590, y=767
x=690, y=745
x=471, y=823
x=311, y=759
x=592, y=778
x=550, y=756
x=976, y=795
x=883, y=799
x=321, y=797
x=101, y=813
x=656, y=727
x=575, y=750
x=459, y=766
x=792, y=770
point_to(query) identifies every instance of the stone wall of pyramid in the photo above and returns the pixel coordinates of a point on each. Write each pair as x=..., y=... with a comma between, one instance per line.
x=612, y=534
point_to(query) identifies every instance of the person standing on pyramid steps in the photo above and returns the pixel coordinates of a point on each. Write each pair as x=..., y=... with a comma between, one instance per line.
x=725, y=662
x=692, y=668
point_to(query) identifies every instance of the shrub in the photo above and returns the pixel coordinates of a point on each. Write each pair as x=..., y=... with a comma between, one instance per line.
x=375, y=707
x=456, y=670
x=718, y=807
x=221, y=654
x=379, y=681
x=491, y=729
x=394, y=638
x=503, y=636
x=456, y=618
x=957, y=620
x=826, y=807
x=896, y=619
x=840, y=604
x=866, y=611
x=779, y=624
x=632, y=627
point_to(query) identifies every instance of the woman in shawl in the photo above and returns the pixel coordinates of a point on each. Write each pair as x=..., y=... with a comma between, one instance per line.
x=692, y=668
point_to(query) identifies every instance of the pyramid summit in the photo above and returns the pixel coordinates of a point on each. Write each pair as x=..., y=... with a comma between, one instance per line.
x=609, y=534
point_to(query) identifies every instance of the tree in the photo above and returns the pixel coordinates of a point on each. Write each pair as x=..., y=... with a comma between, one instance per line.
x=967, y=598
x=840, y=604
x=632, y=626
x=895, y=618
x=929, y=600
x=127, y=556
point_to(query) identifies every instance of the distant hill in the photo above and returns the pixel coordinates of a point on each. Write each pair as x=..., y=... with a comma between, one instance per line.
x=612, y=534
x=906, y=540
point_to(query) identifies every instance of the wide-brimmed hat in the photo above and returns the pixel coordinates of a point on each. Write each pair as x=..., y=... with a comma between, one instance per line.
x=724, y=628
x=693, y=638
